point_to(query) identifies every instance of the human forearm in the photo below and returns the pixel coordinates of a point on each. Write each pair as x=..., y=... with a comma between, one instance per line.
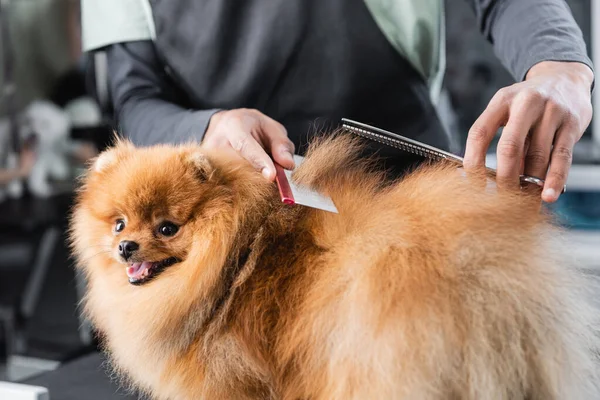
x=147, y=106
x=149, y=121
x=525, y=33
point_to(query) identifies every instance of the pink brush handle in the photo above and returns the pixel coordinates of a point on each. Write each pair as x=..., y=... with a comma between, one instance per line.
x=285, y=191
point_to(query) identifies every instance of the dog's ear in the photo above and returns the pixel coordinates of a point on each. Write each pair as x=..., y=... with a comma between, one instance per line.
x=105, y=160
x=112, y=155
x=204, y=168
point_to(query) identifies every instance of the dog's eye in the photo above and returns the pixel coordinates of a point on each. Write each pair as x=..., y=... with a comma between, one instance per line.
x=120, y=225
x=168, y=229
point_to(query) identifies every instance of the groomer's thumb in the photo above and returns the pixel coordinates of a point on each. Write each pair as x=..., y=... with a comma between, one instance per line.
x=282, y=152
x=277, y=142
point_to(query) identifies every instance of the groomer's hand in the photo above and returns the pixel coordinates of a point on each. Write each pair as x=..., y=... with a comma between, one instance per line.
x=543, y=118
x=253, y=135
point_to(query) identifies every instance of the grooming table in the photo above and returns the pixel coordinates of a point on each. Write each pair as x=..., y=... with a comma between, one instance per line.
x=83, y=378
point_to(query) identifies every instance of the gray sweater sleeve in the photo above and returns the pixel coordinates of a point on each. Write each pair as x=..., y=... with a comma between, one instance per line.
x=526, y=32
x=148, y=106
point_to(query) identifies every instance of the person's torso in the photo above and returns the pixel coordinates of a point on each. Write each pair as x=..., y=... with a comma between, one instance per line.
x=305, y=63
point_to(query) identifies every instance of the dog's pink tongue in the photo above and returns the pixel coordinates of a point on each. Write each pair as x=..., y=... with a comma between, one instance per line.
x=137, y=269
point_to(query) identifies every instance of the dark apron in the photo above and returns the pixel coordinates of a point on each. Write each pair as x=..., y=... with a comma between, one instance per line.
x=304, y=63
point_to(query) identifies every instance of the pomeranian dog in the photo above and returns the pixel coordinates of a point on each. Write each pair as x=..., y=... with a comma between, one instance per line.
x=439, y=285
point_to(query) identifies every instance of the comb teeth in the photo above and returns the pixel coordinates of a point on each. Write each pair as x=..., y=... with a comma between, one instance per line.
x=414, y=147
x=397, y=143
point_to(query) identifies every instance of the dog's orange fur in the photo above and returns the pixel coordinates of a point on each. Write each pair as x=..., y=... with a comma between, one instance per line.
x=433, y=287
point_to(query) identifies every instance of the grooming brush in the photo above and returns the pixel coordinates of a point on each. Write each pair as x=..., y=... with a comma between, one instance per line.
x=415, y=147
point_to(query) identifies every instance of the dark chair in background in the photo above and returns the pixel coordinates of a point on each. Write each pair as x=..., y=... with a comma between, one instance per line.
x=29, y=233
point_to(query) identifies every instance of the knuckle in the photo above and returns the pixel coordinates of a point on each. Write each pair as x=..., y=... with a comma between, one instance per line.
x=532, y=96
x=571, y=120
x=537, y=157
x=288, y=144
x=559, y=175
x=470, y=164
x=254, y=113
x=585, y=117
x=256, y=159
x=282, y=128
x=562, y=153
x=509, y=148
x=503, y=94
x=556, y=108
x=234, y=118
x=240, y=143
x=278, y=130
x=478, y=133
x=256, y=162
x=243, y=115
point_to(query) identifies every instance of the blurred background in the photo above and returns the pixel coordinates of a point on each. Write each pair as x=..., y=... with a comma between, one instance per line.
x=55, y=114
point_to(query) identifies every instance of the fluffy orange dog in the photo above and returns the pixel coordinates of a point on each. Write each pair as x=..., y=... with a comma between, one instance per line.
x=204, y=286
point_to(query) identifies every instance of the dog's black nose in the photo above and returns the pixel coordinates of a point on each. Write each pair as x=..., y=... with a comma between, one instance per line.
x=126, y=248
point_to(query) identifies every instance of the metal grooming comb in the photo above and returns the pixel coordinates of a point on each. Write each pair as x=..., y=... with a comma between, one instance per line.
x=415, y=147
x=291, y=193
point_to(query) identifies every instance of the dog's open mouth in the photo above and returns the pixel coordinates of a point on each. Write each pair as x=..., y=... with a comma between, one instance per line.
x=143, y=272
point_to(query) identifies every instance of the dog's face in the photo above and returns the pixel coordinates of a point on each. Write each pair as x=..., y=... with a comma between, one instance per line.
x=141, y=205
x=149, y=242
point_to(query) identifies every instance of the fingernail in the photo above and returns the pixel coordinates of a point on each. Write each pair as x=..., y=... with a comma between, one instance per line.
x=290, y=158
x=550, y=193
x=265, y=172
x=286, y=151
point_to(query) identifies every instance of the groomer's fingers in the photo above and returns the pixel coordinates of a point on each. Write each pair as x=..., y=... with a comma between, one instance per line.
x=251, y=134
x=525, y=151
x=484, y=129
x=537, y=155
x=249, y=148
x=525, y=110
x=274, y=138
x=560, y=162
